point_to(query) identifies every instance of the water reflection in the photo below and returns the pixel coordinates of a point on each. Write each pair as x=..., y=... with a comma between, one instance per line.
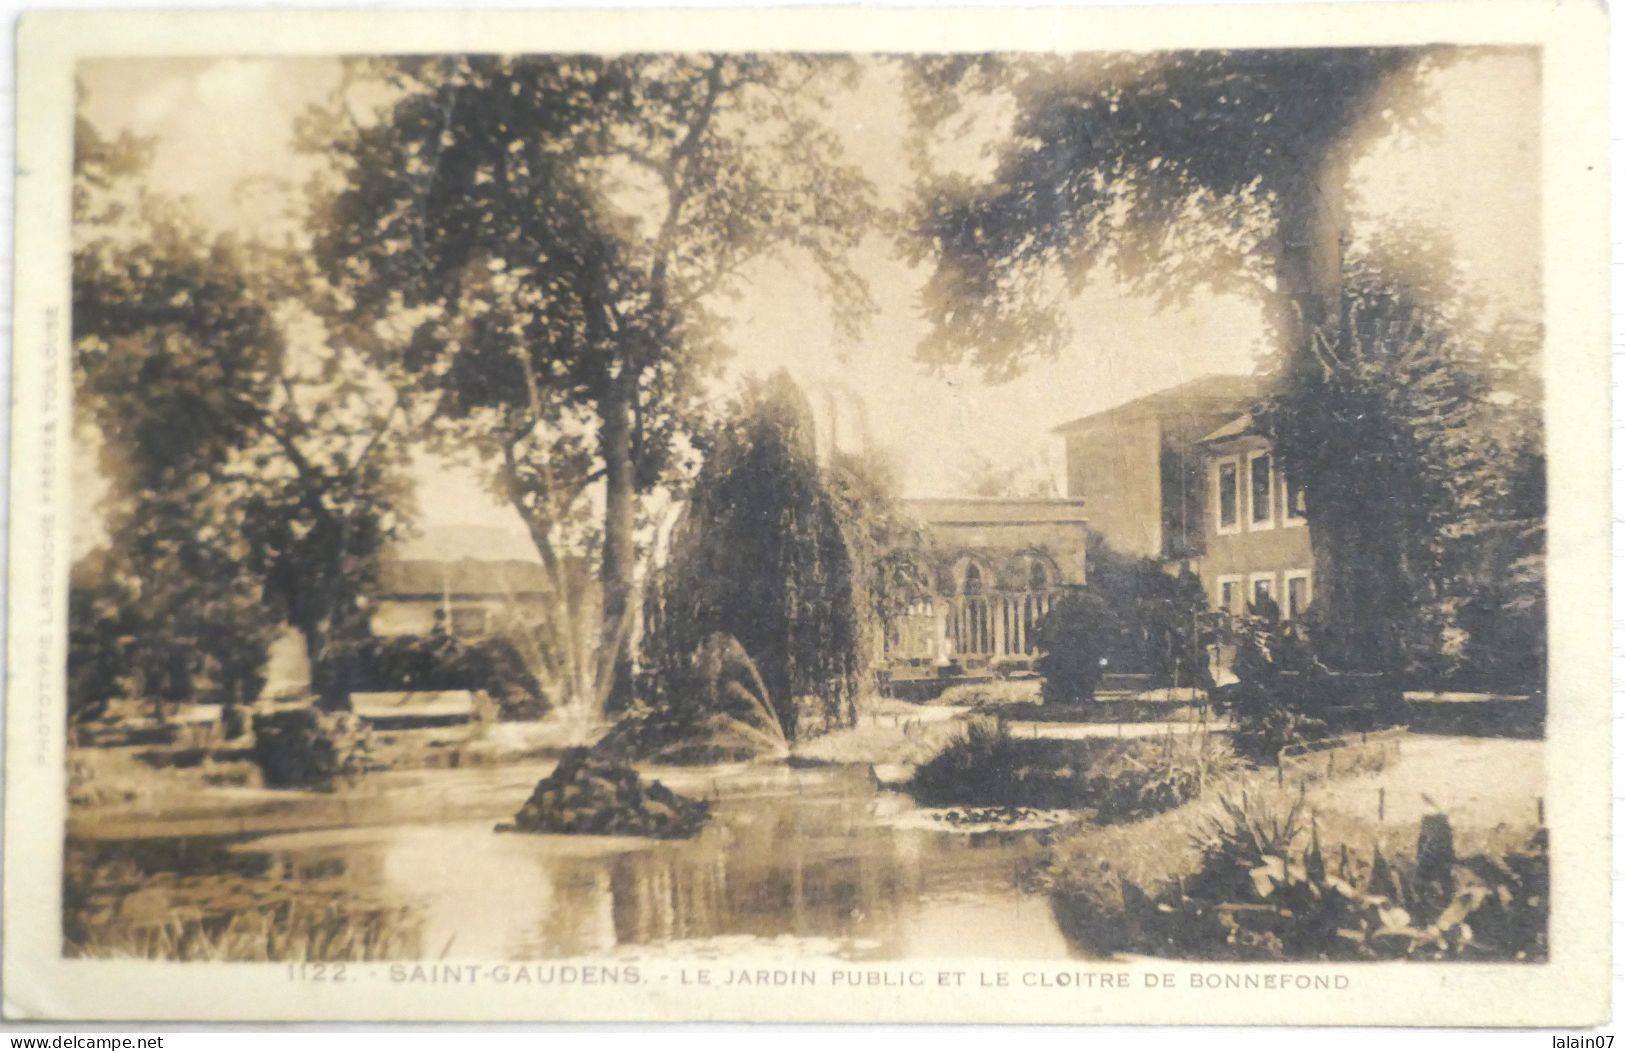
x=802, y=863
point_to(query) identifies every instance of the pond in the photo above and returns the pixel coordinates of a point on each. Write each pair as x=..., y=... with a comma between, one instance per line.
x=798, y=862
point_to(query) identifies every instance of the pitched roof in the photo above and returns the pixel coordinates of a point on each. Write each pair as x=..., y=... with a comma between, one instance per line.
x=466, y=576
x=1206, y=392
x=971, y=510
x=1241, y=425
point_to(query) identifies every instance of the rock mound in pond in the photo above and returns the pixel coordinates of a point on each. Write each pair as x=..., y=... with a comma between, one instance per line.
x=597, y=797
x=719, y=712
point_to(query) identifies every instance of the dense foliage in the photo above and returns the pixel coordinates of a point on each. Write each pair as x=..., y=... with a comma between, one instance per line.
x=1178, y=169
x=252, y=466
x=310, y=748
x=1267, y=888
x=1118, y=779
x=761, y=555
x=1151, y=615
x=440, y=662
x=1072, y=640
x=1418, y=438
x=1223, y=169
x=552, y=232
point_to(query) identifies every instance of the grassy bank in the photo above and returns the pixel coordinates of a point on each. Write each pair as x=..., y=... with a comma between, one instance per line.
x=1118, y=779
x=892, y=732
x=1407, y=859
x=116, y=910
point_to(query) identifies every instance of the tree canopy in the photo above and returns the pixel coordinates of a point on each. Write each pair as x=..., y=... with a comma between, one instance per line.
x=253, y=465
x=1418, y=435
x=1184, y=169
x=550, y=235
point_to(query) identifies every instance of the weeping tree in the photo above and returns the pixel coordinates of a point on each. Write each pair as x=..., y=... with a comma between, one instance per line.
x=1226, y=170
x=548, y=236
x=761, y=554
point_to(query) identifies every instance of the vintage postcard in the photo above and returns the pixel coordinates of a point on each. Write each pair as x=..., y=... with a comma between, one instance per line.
x=961, y=515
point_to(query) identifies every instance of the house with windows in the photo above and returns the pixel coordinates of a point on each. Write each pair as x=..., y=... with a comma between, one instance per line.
x=1256, y=535
x=1185, y=476
x=1140, y=470
x=465, y=598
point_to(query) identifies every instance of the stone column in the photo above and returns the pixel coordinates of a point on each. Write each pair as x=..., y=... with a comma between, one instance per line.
x=999, y=627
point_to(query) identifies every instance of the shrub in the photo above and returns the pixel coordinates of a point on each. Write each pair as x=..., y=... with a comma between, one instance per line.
x=1151, y=614
x=1267, y=888
x=992, y=693
x=308, y=748
x=586, y=795
x=1071, y=640
x=1268, y=709
x=1119, y=779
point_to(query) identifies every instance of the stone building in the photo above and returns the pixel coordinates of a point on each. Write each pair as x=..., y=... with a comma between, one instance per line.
x=994, y=566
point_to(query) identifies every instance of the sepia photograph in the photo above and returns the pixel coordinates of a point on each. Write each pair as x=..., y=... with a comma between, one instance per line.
x=766, y=520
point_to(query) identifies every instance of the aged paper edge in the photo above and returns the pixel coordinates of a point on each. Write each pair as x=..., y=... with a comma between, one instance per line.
x=1572, y=989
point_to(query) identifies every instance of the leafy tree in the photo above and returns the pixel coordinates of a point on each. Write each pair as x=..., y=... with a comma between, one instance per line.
x=1219, y=169
x=1152, y=614
x=167, y=352
x=252, y=463
x=555, y=231
x=1072, y=639
x=1420, y=435
x=761, y=554
x=888, y=546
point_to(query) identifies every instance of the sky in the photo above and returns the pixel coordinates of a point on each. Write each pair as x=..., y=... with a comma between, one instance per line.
x=224, y=131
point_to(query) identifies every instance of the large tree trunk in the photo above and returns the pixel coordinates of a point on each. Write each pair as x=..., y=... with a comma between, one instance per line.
x=1354, y=584
x=329, y=685
x=616, y=575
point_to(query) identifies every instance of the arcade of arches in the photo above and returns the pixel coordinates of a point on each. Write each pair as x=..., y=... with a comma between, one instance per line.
x=983, y=608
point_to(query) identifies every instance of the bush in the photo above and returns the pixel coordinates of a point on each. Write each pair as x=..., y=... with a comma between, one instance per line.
x=307, y=748
x=1150, y=614
x=592, y=796
x=1267, y=888
x=1119, y=779
x=441, y=662
x=1268, y=709
x=1071, y=640
x=992, y=693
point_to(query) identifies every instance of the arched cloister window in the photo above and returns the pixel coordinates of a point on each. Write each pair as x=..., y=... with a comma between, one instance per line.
x=1038, y=577
x=975, y=634
x=973, y=580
